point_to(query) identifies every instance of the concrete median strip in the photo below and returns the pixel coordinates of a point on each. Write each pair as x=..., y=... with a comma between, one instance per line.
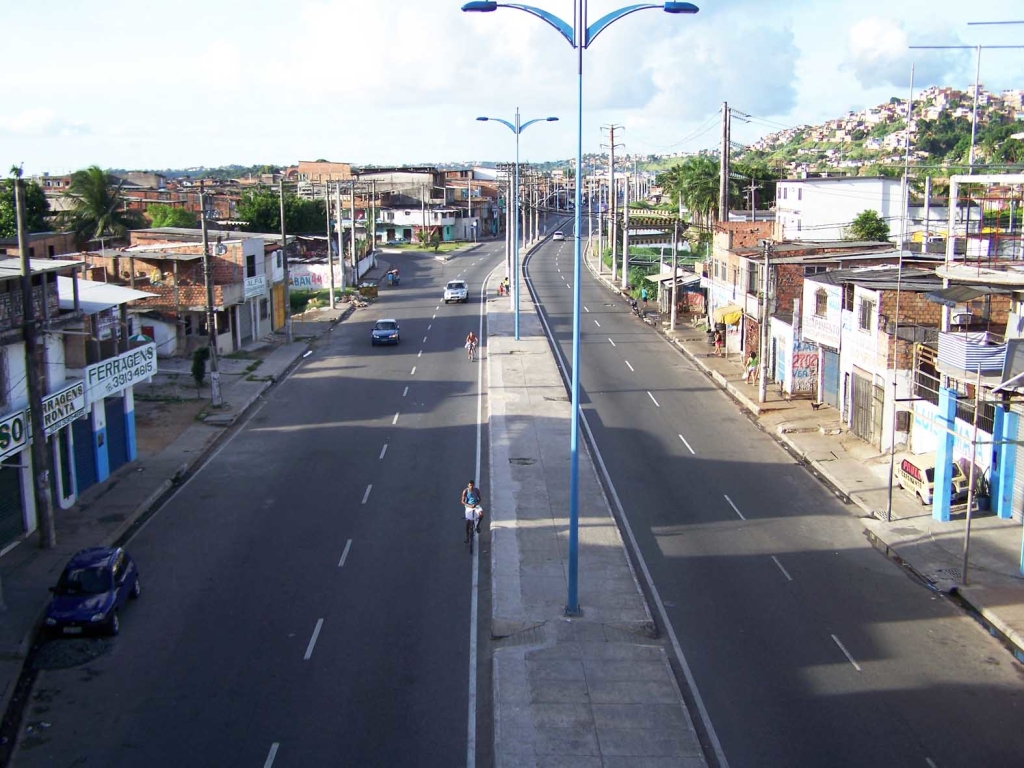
x=597, y=687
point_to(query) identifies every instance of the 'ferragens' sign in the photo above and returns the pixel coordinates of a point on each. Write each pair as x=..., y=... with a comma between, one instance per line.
x=118, y=373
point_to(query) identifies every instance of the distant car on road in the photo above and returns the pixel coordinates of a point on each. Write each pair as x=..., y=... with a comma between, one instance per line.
x=385, y=331
x=95, y=585
x=558, y=236
x=456, y=290
x=397, y=241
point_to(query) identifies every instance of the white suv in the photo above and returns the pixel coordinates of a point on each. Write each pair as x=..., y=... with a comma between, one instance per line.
x=456, y=290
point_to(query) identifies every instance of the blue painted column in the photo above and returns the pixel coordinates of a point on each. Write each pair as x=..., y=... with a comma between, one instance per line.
x=99, y=440
x=1002, y=495
x=129, y=424
x=946, y=417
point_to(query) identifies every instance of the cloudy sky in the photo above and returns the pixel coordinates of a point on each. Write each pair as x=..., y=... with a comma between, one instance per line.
x=120, y=83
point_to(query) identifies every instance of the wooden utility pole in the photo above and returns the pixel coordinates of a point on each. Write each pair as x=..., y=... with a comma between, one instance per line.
x=36, y=378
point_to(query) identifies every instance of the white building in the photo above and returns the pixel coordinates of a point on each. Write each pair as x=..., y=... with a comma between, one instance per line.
x=822, y=208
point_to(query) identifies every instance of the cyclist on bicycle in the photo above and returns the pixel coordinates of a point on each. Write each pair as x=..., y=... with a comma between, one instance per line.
x=471, y=342
x=474, y=512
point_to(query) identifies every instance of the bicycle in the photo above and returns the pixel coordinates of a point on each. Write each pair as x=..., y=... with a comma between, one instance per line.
x=472, y=526
x=471, y=352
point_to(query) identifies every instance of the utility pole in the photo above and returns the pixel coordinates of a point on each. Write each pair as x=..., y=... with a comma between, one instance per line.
x=287, y=281
x=927, y=213
x=373, y=218
x=675, y=251
x=762, y=355
x=752, y=191
x=625, y=234
x=211, y=314
x=330, y=253
x=613, y=202
x=355, y=261
x=341, y=240
x=35, y=368
x=723, y=165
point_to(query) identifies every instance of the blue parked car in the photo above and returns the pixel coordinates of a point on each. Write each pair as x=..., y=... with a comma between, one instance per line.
x=385, y=331
x=93, y=588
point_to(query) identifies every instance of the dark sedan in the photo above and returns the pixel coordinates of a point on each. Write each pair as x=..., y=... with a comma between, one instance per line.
x=385, y=331
x=93, y=588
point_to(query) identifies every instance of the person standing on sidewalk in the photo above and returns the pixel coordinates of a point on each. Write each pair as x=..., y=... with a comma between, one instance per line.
x=752, y=367
x=718, y=343
x=643, y=296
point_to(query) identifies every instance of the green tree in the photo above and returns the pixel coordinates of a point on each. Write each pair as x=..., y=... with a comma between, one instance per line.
x=161, y=215
x=869, y=226
x=97, y=207
x=429, y=238
x=37, y=207
x=261, y=210
x=694, y=183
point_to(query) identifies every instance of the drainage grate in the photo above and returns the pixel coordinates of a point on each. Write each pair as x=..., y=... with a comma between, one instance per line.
x=951, y=574
x=522, y=462
x=557, y=399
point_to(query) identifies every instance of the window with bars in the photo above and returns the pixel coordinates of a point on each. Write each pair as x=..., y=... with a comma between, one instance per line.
x=867, y=311
x=752, y=278
x=820, y=302
x=848, y=292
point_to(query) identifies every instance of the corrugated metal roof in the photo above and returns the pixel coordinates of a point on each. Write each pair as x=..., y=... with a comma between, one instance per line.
x=12, y=267
x=881, y=279
x=94, y=296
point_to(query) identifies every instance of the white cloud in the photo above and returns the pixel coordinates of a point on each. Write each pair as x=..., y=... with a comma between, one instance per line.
x=878, y=54
x=41, y=122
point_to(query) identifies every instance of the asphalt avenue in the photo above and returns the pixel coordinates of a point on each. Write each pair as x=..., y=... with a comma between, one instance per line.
x=806, y=646
x=308, y=594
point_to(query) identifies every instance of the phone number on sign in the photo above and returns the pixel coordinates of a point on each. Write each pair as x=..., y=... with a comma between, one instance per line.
x=121, y=380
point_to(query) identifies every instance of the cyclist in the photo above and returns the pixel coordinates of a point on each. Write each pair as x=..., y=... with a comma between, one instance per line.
x=474, y=512
x=471, y=342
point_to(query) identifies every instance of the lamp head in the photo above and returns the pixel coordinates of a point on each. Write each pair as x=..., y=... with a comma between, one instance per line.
x=552, y=119
x=670, y=7
x=486, y=6
x=483, y=119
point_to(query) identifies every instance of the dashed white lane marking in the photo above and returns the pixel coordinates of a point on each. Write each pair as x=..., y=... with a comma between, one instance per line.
x=420, y=353
x=655, y=401
x=366, y=495
x=631, y=368
x=597, y=324
x=344, y=554
x=424, y=340
x=611, y=342
x=429, y=327
x=413, y=371
x=931, y=763
x=437, y=308
x=405, y=392
x=734, y=507
x=846, y=653
x=784, y=571
x=312, y=640
x=687, y=445
x=273, y=753
x=382, y=452
x=395, y=420
x=433, y=317
x=585, y=308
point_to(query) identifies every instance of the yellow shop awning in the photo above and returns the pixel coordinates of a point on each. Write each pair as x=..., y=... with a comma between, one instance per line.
x=730, y=314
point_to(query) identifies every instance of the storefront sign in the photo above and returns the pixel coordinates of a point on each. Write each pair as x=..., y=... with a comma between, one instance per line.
x=63, y=407
x=255, y=286
x=111, y=376
x=14, y=433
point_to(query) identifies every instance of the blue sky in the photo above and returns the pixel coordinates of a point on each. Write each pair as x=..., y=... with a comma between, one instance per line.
x=129, y=84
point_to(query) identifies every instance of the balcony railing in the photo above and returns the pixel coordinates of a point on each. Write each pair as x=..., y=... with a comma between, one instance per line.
x=968, y=351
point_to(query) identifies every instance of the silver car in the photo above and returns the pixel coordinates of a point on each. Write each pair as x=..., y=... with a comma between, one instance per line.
x=456, y=290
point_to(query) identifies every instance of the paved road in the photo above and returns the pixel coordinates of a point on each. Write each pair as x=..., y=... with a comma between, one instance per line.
x=808, y=648
x=307, y=596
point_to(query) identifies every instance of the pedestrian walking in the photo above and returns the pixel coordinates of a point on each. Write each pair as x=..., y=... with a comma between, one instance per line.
x=752, y=367
x=718, y=343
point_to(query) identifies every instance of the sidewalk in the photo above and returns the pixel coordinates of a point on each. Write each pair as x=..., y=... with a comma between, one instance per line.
x=104, y=512
x=930, y=549
x=596, y=689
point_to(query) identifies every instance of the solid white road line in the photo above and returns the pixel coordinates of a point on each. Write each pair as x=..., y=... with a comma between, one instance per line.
x=611, y=342
x=383, y=451
x=687, y=445
x=395, y=420
x=655, y=401
x=597, y=324
x=631, y=367
x=348, y=546
x=312, y=640
x=367, y=494
x=273, y=753
x=405, y=392
x=846, y=653
x=784, y=571
x=734, y=507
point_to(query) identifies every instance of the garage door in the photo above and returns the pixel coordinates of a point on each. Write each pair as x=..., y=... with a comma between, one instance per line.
x=830, y=395
x=85, y=458
x=117, y=437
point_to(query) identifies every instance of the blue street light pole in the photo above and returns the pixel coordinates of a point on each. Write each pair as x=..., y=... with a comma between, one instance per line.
x=517, y=129
x=579, y=36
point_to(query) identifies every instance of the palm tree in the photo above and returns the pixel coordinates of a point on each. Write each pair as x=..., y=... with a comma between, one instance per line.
x=97, y=208
x=694, y=182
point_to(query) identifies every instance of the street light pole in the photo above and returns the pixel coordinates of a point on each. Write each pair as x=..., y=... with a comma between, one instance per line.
x=211, y=314
x=579, y=36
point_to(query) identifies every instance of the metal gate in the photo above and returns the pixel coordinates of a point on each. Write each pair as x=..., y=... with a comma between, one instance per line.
x=117, y=437
x=830, y=390
x=1017, y=506
x=863, y=400
x=85, y=458
x=11, y=523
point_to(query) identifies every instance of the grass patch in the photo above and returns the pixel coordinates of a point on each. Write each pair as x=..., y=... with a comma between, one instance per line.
x=443, y=248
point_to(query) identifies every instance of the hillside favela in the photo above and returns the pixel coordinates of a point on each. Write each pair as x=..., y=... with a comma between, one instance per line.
x=394, y=385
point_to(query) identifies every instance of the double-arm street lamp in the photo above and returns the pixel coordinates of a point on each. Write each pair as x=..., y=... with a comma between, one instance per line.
x=516, y=128
x=579, y=35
